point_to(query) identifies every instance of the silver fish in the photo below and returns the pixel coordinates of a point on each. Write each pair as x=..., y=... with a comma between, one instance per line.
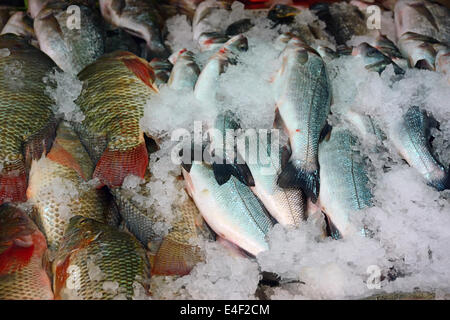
x=140, y=18
x=287, y=206
x=72, y=49
x=374, y=59
x=185, y=72
x=344, y=182
x=420, y=50
x=206, y=17
x=303, y=98
x=411, y=138
x=422, y=17
x=231, y=209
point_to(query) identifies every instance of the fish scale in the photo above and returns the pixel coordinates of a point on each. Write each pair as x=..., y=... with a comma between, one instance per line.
x=344, y=181
x=411, y=138
x=115, y=90
x=303, y=102
x=87, y=244
x=67, y=163
x=28, y=122
x=29, y=281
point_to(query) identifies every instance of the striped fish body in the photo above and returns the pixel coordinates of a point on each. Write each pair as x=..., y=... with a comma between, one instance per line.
x=115, y=90
x=344, y=181
x=28, y=122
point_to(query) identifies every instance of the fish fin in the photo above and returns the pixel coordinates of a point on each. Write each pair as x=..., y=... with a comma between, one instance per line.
x=15, y=258
x=174, y=258
x=222, y=172
x=13, y=184
x=292, y=176
x=40, y=143
x=115, y=165
x=140, y=68
x=325, y=133
x=331, y=228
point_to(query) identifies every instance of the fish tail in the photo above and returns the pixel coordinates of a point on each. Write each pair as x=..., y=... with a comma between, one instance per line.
x=13, y=185
x=115, y=165
x=40, y=143
x=174, y=258
x=295, y=177
x=223, y=172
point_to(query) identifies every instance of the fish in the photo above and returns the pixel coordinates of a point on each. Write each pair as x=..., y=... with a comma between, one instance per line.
x=71, y=48
x=206, y=17
x=205, y=92
x=139, y=18
x=345, y=187
x=303, y=97
x=387, y=47
x=287, y=206
x=138, y=217
x=342, y=20
x=426, y=18
x=238, y=27
x=19, y=24
x=282, y=13
x=230, y=209
x=115, y=90
x=177, y=253
x=23, y=274
x=419, y=50
x=162, y=69
x=211, y=41
x=28, y=121
x=411, y=138
x=35, y=6
x=96, y=261
x=185, y=71
x=374, y=59
x=66, y=168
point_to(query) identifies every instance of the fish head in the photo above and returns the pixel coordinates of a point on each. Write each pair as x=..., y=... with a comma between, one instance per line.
x=418, y=49
x=236, y=44
x=20, y=239
x=281, y=13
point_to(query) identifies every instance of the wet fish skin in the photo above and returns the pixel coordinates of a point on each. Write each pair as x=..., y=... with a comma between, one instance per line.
x=419, y=50
x=94, y=255
x=23, y=275
x=185, y=72
x=139, y=18
x=71, y=49
x=20, y=25
x=443, y=61
x=115, y=91
x=204, y=19
x=343, y=20
x=238, y=27
x=422, y=17
x=411, y=138
x=162, y=69
x=178, y=252
x=344, y=182
x=28, y=122
x=303, y=100
x=287, y=206
x=374, y=59
x=211, y=41
x=69, y=164
x=230, y=209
